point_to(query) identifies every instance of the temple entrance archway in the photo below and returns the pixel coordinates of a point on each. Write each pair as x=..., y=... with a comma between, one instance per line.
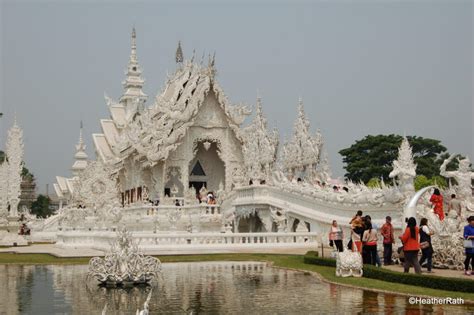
x=206, y=168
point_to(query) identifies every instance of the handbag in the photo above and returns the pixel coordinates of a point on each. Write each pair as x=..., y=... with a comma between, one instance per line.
x=401, y=253
x=469, y=243
x=424, y=245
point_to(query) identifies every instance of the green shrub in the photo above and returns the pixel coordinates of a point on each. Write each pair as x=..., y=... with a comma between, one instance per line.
x=320, y=261
x=427, y=281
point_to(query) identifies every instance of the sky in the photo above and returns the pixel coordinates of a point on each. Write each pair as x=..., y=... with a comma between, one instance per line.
x=361, y=67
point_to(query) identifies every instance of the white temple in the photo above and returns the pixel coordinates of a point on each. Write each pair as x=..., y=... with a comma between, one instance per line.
x=153, y=160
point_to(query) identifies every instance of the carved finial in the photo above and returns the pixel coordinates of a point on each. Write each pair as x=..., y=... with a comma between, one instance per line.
x=133, y=54
x=179, y=53
x=259, y=103
x=300, y=107
x=210, y=65
x=80, y=134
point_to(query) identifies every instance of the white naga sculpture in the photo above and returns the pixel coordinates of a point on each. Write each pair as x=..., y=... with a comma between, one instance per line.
x=404, y=169
x=463, y=176
x=348, y=264
x=125, y=264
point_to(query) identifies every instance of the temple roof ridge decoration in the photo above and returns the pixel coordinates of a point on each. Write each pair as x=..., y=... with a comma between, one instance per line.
x=157, y=130
x=303, y=151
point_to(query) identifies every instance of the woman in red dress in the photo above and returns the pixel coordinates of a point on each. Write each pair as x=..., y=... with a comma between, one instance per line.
x=437, y=201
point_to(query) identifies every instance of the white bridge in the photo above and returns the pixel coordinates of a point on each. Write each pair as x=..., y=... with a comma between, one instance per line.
x=317, y=213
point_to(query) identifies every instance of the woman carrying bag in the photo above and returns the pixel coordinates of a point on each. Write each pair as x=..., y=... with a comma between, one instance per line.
x=411, y=246
x=425, y=244
x=336, y=235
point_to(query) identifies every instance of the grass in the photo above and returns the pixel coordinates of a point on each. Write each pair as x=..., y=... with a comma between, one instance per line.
x=282, y=261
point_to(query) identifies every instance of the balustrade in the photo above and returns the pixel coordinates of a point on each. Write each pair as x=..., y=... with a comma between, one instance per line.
x=102, y=240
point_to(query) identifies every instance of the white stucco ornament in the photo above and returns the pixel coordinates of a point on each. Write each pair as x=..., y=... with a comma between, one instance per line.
x=11, y=180
x=125, y=264
x=349, y=264
x=404, y=169
x=463, y=177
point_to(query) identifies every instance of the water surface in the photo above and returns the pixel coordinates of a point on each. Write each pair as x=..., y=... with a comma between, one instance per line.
x=196, y=288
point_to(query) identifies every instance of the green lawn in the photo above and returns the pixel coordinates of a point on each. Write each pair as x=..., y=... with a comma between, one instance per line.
x=283, y=261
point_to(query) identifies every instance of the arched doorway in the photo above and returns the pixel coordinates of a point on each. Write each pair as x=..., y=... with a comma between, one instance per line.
x=206, y=168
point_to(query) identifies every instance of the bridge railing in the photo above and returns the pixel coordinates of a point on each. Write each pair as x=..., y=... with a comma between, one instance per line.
x=103, y=240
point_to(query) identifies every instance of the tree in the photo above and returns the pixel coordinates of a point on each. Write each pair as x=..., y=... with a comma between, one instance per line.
x=372, y=156
x=40, y=206
x=422, y=181
x=374, y=182
x=26, y=175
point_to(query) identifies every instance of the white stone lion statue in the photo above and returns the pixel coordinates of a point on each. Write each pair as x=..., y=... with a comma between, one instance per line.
x=349, y=264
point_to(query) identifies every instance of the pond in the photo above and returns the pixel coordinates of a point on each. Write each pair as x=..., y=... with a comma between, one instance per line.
x=195, y=288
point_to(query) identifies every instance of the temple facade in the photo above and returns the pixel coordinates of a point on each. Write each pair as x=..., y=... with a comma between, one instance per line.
x=190, y=136
x=154, y=157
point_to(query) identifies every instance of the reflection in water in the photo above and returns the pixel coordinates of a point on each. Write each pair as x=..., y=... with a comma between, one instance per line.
x=197, y=288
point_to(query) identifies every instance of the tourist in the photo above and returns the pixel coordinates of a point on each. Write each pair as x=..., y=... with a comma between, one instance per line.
x=388, y=240
x=335, y=188
x=374, y=226
x=211, y=200
x=358, y=215
x=336, y=235
x=455, y=204
x=437, y=201
x=469, y=235
x=357, y=230
x=369, y=240
x=425, y=244
x=411, y=246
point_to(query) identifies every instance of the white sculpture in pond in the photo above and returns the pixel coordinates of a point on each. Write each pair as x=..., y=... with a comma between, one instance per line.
x=349, y=264
x=125, y=264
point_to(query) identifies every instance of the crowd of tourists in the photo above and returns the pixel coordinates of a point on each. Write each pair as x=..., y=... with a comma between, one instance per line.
x=364, y=237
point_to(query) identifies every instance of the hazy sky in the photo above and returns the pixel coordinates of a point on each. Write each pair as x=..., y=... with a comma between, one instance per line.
x=361, y=67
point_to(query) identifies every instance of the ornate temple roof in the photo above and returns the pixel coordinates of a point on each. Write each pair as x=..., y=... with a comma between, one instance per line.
x=152, y=133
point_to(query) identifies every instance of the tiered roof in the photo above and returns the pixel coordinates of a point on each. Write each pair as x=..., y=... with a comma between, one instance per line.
x=156, y=131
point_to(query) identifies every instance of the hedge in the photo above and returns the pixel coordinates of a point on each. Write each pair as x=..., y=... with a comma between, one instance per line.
x=314, y=259
x=420, y=280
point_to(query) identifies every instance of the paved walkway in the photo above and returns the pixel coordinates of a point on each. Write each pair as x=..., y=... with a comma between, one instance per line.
x=57, y=251
x=436, y=272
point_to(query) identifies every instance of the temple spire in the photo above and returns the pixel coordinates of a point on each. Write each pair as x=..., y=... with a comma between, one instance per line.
x=259, y=103
x=133, y=97
x=179, y=54
x=80, y=157
x=133, y=53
